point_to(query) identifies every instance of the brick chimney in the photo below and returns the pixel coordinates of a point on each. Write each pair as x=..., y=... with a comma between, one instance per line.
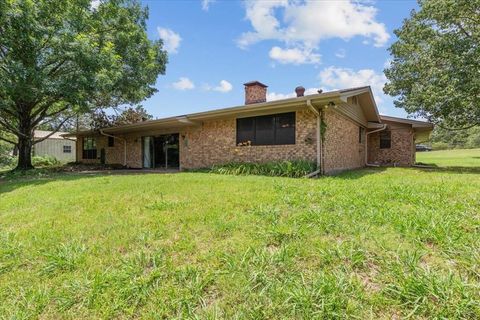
x=255, y=92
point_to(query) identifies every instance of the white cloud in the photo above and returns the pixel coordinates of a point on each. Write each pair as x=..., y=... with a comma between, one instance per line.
x=206, y=4
x=183, y=84
x=294, y=55
x=224, y=86
x=304, y=24
x=271, y=96
x=342, y=78
x=341, y=53
x=171, y=40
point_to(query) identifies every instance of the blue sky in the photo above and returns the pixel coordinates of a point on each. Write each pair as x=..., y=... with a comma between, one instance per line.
x=216, y=46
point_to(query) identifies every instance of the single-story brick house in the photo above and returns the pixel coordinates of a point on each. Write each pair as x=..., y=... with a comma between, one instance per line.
x=339, y=130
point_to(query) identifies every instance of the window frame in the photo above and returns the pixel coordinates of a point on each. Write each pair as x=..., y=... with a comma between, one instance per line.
x=385, y=139
x=67, y=147
x=89, y=154
x=276, y=139
x=110, y=142
x=361, y=134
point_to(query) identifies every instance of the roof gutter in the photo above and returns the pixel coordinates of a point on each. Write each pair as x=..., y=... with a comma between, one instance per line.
x=366, y=146
x=124, y=145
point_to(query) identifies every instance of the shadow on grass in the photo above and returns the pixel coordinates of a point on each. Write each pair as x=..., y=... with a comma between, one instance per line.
x=357, y=173
x=448, y=169
x=11, y=180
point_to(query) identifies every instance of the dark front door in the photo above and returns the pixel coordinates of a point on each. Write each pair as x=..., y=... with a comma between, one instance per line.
x=161, y=152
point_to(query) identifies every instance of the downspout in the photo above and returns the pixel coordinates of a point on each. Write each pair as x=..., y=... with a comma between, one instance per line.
x=319, y=141
x=366, y=146
x=124, y=145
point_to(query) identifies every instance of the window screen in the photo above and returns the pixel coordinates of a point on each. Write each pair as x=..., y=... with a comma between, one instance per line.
x=385, y=140
x=89, y=148
x=245, y=131
x=285, y=128
x=267, y=130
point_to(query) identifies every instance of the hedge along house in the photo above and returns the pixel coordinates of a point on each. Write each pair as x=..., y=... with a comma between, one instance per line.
x=338, y=130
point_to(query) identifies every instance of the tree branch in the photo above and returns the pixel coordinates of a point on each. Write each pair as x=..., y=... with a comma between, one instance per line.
x=458, y=129
x=7, y=140
x=53, y=131
x=11, y=128
x=44, y=115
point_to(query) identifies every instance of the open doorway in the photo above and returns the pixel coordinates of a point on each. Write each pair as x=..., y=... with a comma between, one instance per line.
x=161, y=152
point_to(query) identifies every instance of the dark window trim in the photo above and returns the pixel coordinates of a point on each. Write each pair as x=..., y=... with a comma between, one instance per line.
x=276, y=118
x=89, y=153
x=385, y=139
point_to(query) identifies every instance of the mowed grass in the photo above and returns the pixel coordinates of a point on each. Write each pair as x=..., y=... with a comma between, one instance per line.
x=451, y=158
x=374, y=243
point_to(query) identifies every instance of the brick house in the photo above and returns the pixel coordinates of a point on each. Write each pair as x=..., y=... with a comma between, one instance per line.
x=339, y=130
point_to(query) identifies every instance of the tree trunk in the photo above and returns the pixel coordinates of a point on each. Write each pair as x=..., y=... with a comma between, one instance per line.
x=24, y=154
x=25, y=143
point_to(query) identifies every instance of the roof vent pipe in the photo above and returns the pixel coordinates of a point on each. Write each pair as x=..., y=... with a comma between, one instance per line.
x=300, y=91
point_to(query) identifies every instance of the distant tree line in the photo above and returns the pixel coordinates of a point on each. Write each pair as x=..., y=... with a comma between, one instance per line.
x=451, y=139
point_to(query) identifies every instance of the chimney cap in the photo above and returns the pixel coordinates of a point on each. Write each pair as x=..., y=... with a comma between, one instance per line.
x=253, y=83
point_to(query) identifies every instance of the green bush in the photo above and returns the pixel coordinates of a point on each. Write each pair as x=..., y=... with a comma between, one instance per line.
x=7, y=161
x=45, y=161
x=292, y=169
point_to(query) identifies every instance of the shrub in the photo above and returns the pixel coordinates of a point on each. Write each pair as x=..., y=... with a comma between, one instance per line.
x=45, y=161
x=7, y=161
x=292, y=169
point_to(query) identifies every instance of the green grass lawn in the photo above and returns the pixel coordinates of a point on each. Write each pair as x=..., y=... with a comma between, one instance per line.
x=455, y=158
x=373, y=243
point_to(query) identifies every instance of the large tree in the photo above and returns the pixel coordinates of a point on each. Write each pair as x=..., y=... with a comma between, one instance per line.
x=59, y=59
x=435, y=71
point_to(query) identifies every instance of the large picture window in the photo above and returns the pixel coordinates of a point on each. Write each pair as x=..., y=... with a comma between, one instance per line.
x=89, y=148
x=385, y=140
x=266, y=130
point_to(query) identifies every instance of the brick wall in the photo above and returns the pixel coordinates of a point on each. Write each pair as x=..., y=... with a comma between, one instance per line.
x=215, y=143
x=342, y=149
x=255, y=94
x=402, y=150
x=115, y=154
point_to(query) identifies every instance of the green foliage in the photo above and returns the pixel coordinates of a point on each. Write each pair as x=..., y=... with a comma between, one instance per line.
x=44, y=161
x=59, y=59
x=450, y=139
x=292, y=169
x=100, y=119
x=377, y=243
x=6, y=158
x=436, y=62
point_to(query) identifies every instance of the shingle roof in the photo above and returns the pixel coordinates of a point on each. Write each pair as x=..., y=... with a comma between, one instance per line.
x=38, y=134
